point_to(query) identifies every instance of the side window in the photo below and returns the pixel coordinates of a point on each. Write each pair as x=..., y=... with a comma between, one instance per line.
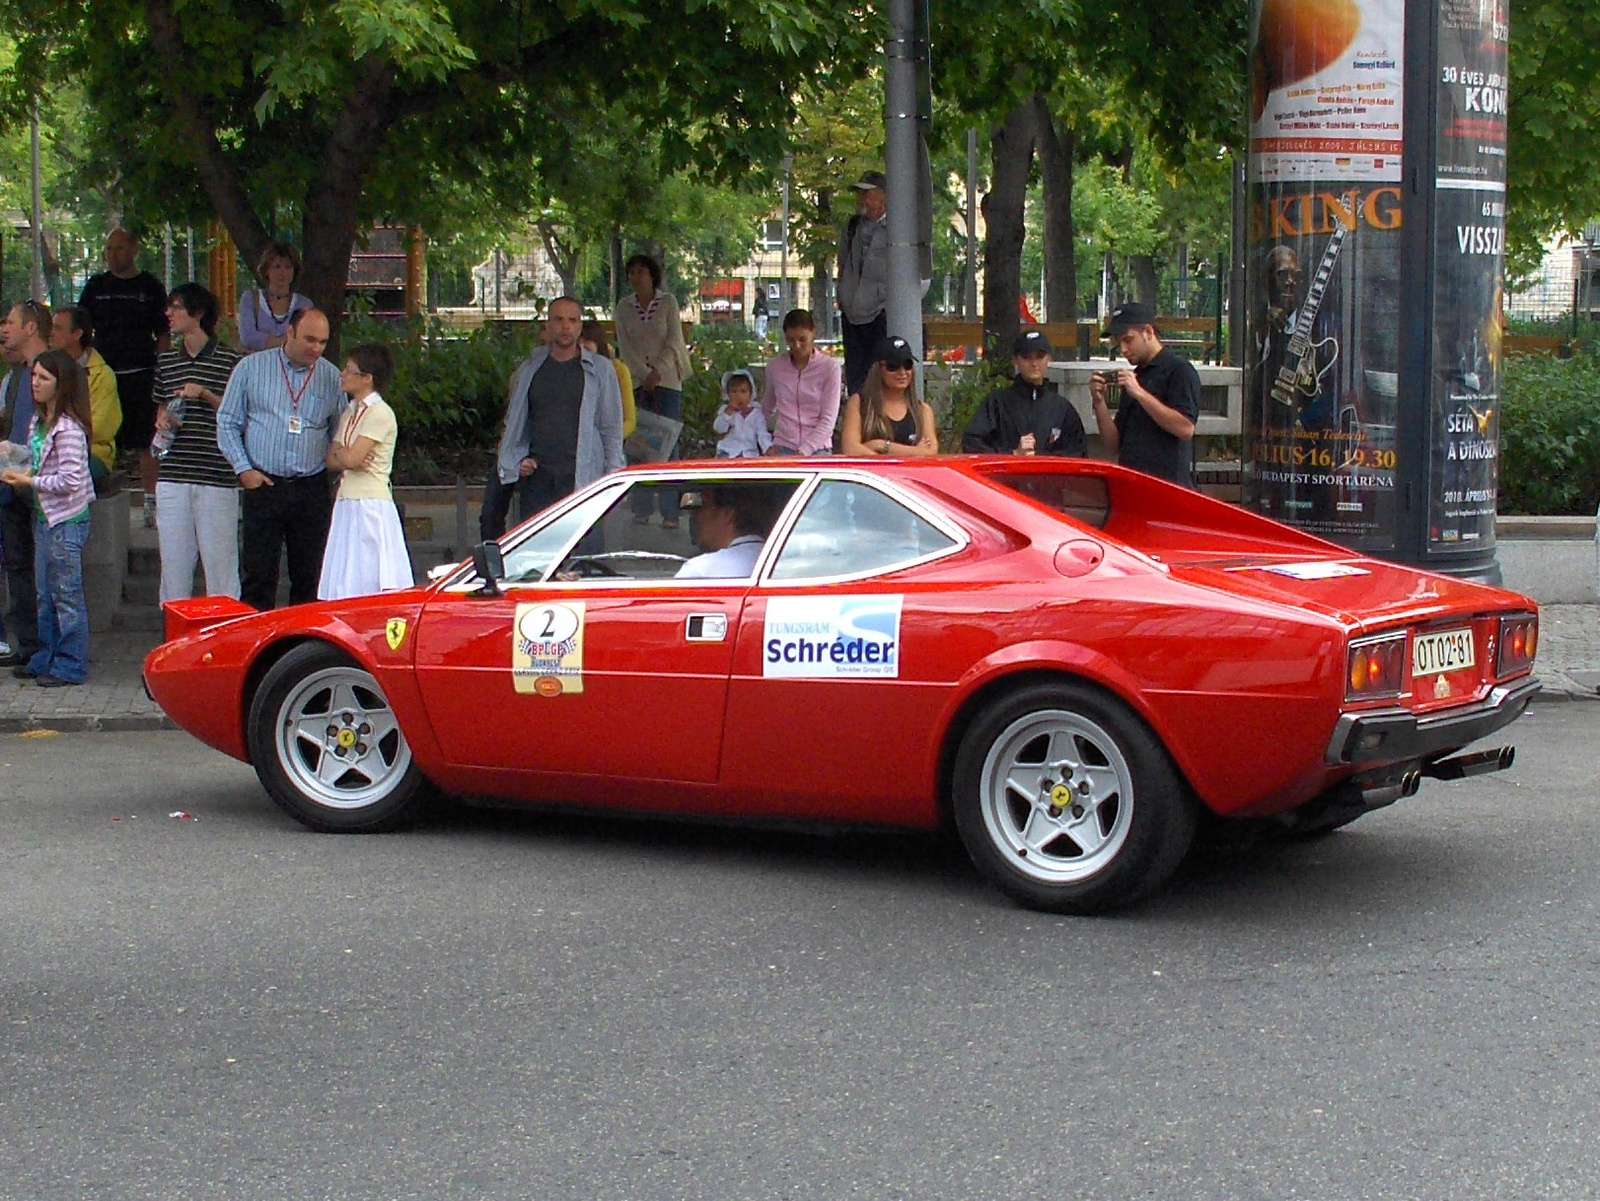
x=712, y=529
x=641, y=536
x=530, y=560
x=849, y=528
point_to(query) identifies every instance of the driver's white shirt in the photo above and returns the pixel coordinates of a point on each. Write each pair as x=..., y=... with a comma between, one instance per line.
x=735, y=561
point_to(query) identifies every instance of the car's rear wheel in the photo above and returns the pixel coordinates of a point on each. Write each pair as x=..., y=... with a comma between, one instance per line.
x=328, y=748
x=1067, y=802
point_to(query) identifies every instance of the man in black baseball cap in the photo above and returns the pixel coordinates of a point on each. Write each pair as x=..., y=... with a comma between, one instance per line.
x=1153, y=428
x=864, y=279
x=1029, y=416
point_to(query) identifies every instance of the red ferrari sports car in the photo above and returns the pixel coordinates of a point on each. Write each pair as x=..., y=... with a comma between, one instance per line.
x=1071, y=662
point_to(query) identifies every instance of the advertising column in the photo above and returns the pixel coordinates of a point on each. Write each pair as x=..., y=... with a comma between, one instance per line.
x=1322, y=312
x=1469, y=275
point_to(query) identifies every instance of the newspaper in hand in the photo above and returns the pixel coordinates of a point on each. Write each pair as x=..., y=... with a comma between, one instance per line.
x=14, y=457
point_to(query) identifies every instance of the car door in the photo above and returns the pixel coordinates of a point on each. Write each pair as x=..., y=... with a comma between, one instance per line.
x=594, y=659
x=847, y=652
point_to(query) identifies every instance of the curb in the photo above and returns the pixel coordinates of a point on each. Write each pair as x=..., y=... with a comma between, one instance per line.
x=87, y=723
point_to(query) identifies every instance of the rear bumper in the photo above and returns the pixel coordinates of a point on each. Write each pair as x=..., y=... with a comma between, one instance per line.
x=1393, y=735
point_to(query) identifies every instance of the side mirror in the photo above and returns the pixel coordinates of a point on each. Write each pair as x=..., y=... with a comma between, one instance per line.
x=490, y=564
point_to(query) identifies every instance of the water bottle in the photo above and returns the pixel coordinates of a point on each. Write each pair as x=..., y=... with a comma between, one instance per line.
x=162, y=442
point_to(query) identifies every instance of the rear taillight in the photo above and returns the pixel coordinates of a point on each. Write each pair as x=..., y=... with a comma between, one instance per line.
x=1519, y=640
x=1377, y=668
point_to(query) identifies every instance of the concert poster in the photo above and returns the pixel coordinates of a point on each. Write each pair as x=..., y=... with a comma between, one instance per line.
x=1323, y=265
x=1469, y=275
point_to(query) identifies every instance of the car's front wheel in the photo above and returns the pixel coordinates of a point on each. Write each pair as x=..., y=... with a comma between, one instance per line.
x=1067, y=802
x=328, y=748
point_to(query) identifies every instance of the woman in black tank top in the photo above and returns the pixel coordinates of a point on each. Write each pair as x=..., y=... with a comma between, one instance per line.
x=886, y=417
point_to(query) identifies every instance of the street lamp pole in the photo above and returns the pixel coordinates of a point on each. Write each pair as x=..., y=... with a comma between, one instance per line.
x=901, y=137
x=783, y=267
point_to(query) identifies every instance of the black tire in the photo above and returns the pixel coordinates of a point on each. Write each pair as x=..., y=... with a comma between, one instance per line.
x=327, y=747
x=1067, y=802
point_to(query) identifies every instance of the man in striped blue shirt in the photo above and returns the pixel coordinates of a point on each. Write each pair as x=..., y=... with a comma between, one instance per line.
x=277, y=416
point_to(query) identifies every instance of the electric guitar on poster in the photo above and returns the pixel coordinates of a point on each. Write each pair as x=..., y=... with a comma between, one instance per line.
x=1300, y=375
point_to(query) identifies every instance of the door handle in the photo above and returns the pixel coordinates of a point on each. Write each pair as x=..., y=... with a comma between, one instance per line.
x=706, y=627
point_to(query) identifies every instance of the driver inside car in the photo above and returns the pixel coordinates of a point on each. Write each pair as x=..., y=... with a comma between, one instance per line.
x=730, y=524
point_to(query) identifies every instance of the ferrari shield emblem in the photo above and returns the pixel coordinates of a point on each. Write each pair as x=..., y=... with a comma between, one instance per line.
x=395, y=632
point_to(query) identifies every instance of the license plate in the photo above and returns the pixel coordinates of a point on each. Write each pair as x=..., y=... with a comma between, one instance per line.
x=1435, y=654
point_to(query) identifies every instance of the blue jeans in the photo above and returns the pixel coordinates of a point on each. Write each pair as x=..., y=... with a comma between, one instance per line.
x=63, y=612
x=669, y=403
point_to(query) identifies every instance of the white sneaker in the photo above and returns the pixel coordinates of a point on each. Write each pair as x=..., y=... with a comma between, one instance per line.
x=5, y=649
x=149, y=512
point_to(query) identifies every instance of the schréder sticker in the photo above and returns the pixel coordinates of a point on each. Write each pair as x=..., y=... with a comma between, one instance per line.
x=831, y=637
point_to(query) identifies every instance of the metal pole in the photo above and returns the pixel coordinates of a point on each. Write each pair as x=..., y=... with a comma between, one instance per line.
x=783, y=263
x=1236, y=267
x=900, y=142
x=188, y=238
x=36, y=281
x=166, y=255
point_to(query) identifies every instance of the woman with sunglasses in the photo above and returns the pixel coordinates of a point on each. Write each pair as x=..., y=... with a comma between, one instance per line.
x=886, y=417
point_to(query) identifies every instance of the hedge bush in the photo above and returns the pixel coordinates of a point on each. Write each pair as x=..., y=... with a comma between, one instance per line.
x=1550, y=435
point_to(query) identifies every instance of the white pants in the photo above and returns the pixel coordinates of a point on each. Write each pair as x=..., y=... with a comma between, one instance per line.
x=197, y=523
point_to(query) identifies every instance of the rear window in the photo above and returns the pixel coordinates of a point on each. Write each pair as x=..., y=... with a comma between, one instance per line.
x=1084, y=498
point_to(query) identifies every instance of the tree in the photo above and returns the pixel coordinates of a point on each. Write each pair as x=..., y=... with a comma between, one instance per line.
x=368, y=110
x=1089, y=78
x=1554, y=123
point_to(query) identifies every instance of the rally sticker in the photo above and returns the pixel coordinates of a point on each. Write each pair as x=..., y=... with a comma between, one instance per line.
x=1315, y=571
x=829, y=637
x=547, y=649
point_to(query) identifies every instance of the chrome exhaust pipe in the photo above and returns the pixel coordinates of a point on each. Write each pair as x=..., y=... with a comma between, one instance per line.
x=1376, y=796
x=1479, y=763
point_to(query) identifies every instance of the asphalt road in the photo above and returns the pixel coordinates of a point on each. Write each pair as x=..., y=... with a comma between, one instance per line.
x=511, y=1006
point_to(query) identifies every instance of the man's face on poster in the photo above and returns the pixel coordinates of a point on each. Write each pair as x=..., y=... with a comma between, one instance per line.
x=1283, y=278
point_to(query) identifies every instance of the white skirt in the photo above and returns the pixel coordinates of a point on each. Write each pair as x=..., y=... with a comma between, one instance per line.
x=366, y=551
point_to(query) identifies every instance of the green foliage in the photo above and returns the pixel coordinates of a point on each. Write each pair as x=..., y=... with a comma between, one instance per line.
x=970, y=385
x=1550, y=435
x=1554, y=124
x=449, y=391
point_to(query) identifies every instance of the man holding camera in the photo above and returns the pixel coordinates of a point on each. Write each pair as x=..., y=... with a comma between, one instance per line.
x=1153, y=429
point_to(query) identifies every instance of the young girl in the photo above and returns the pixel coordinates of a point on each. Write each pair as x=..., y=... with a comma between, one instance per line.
x=885, y=417
x=62, y=490
x=366, y=550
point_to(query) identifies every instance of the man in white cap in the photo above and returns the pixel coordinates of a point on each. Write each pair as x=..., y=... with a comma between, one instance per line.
x=864, y=279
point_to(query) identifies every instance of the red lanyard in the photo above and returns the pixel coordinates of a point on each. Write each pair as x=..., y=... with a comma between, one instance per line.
x=361, y=408
x=294, y=397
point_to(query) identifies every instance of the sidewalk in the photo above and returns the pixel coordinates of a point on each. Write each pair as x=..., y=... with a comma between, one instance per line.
x=114, y=699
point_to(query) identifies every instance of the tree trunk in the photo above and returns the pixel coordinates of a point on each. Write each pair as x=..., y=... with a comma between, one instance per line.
x=1011, y=149
x=1056, y=149
x=563, y=256
x=1146, y=288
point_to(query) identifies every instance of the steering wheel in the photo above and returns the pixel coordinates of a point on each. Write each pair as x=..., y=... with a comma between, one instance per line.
x=589, y=568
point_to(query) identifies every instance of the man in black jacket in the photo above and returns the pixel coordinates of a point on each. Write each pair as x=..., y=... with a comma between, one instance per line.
x=1029, y=417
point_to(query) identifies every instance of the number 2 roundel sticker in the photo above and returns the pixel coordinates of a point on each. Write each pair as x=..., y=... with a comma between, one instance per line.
x=547, y=623
x=547, y=649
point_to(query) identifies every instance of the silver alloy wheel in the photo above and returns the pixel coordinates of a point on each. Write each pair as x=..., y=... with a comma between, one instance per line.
x=338, y=741
x=1056, y=796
